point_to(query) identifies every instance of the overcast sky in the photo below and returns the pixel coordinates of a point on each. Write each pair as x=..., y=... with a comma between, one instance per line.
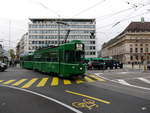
x=112, y=16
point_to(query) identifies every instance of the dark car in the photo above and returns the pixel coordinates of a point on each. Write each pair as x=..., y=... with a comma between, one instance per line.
x=148, y=65
x=117, y=64
x=111, y=64
x=3, y=66
x=97, y=64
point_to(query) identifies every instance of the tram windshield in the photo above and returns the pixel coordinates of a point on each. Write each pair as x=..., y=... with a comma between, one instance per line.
x=74, y=56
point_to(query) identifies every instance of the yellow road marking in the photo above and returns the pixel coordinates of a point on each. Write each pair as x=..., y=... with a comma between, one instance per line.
x=88, y=79
x=97, y=78
x=87, y=103
x=1, y=80
x=97, y=99
x=79, y=81
x=19, y=82
x=54, y=81
x=8, y=82
x=28, y=84
x=66, y=82
x=42, y=82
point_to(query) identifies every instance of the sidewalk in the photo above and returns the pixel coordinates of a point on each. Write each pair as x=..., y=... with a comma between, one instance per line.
x=136, y=67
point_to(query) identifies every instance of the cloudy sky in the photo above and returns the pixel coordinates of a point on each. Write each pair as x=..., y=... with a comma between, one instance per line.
x=112, y=16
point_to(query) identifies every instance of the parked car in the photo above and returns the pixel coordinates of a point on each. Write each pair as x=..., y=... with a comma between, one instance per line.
x=3, y=66
x=111, y=64
x=97, y=64
x=117, y=64
x=148, y=65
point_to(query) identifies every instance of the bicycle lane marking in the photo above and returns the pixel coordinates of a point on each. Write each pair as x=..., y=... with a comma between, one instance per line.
x=86, y=103
x=90, y=97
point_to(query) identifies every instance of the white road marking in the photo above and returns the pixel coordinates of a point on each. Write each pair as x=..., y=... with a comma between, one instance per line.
x=98, y=75
x=123, y=72
x=123, y=82
x=46, y=97
x=144, y=80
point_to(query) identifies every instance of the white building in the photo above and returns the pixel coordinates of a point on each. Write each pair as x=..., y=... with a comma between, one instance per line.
x=45, y=32
x=23, y=45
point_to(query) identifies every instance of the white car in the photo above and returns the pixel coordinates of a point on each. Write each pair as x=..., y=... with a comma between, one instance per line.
x=3, y=66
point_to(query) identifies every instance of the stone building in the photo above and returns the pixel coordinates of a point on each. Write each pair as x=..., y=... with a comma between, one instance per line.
x=132, y=45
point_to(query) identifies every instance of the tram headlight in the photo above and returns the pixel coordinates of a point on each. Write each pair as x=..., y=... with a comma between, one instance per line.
x=79, y=46
x=81, y=68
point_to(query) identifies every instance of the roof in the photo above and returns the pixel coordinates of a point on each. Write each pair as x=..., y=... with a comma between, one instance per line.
x=132, y=27
x=138, y=27
x=61, y=19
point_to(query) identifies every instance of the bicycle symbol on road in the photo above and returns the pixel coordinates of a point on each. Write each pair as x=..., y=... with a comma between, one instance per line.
x=87, y=103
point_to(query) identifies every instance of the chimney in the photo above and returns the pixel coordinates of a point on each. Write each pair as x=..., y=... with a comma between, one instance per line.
x=142, y=20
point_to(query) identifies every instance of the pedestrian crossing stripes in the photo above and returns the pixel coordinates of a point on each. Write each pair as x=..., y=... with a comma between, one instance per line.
x=28, y=84
x=89, y=79
x=19, y=82
x=8, y=82
x=49, y=81
x=1, y=80
x=66, y=82
x=55, y=81
x=42, y=82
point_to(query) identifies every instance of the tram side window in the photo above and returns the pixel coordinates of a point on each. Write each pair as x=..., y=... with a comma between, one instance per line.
x=37, y=57
x=52, y=56
x=69, y=56
x=73, y=56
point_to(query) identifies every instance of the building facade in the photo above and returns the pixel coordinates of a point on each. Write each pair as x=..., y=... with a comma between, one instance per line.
x=47, y=32
x=132, y=45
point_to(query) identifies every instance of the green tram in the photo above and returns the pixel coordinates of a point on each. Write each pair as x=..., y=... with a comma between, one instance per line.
x=64, y=60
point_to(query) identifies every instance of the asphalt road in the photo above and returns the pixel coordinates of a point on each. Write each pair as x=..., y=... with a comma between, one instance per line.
x=33, y=92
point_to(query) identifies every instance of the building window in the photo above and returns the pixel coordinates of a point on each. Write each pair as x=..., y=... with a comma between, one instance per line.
x=146, y=44
x=136, y=57
x=92, y=47
x=136, y=50
x=92, y=53
x=142, y=58
x=141, y=44
x=131, y=57
x=146, y=50
x=131, y=50
x=141, y=50
x=92, y=42
x=136, y=44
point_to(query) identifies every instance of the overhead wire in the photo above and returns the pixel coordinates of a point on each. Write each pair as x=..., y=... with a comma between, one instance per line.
x=89, y=8
x=47, y=8
x=118, y=22
x=113, y=14
x=134, y=6
x=123, y=20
